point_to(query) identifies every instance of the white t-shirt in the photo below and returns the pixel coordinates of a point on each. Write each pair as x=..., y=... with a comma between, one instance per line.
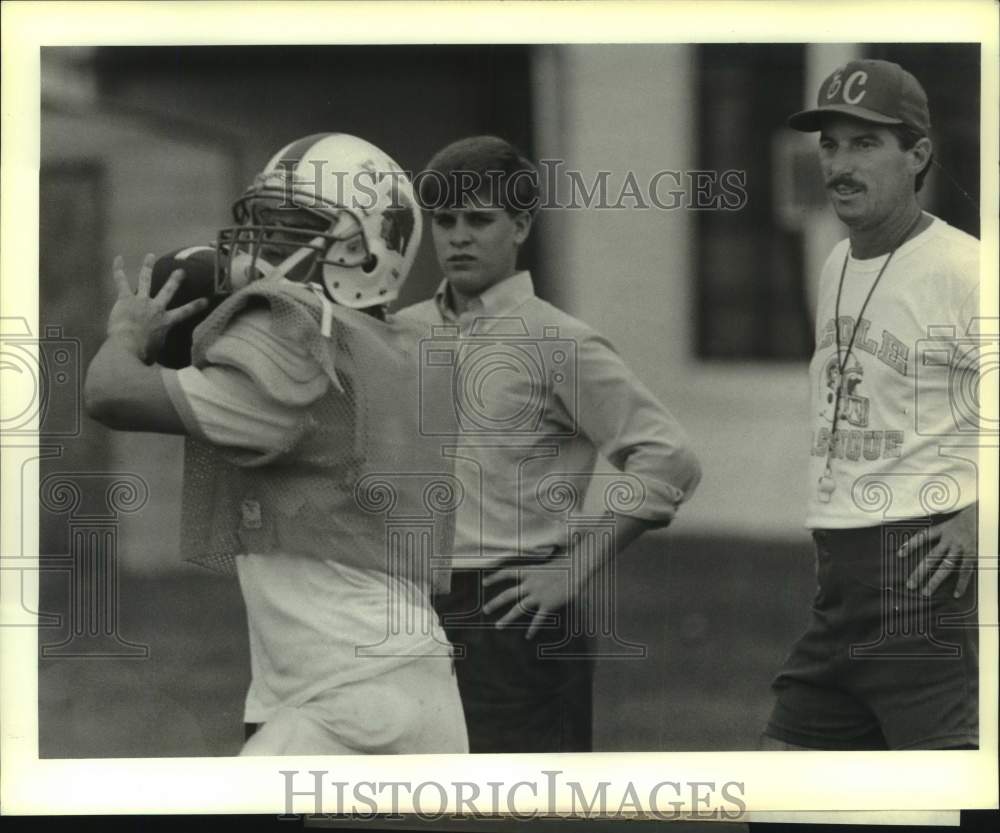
x=314, y=624
x=910, y=386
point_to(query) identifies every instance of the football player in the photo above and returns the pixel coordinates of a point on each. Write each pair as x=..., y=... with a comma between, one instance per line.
x=300, y=406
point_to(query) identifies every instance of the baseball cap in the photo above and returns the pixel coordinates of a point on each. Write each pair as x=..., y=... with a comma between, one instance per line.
x=875, y=91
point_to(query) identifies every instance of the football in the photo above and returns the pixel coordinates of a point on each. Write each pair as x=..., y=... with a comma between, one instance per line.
x=198, y=263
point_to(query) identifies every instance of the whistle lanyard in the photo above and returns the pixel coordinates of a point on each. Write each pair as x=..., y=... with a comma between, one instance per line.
x=826, y=482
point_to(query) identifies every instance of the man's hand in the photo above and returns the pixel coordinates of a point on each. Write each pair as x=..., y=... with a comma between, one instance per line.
x=541, y=590
x=140, y=323
x=122, y=390
x=954, y=549
x=538, y=590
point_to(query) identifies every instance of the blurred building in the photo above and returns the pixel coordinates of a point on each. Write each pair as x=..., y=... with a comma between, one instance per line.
x=706, y=294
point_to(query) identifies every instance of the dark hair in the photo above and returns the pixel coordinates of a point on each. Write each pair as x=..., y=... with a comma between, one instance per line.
x=486, y=169
x=907, y=138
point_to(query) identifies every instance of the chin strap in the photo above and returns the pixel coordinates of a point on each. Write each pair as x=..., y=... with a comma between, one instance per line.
x=282, y=269
x=326, y=323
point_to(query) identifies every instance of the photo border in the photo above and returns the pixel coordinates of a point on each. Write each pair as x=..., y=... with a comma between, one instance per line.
x=931, y=781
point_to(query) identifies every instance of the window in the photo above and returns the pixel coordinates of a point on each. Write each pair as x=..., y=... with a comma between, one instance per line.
x=751, y=300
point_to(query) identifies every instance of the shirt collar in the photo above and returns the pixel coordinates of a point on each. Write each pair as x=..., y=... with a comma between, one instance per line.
x=500, y=298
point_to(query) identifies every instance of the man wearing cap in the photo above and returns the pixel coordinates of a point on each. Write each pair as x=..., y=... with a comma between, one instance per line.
x=887, y=662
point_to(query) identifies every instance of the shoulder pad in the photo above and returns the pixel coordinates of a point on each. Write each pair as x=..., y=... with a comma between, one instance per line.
x=282, y=369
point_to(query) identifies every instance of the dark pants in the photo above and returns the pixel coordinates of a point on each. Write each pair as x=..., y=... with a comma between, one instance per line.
x=880, y=666
x=519, y=695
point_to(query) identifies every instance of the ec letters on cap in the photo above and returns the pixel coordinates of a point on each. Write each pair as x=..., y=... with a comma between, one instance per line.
x=870, y=90
x=851, y=91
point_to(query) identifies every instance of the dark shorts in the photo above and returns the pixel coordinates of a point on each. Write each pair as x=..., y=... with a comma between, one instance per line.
x=519, y=695
x=880, y=666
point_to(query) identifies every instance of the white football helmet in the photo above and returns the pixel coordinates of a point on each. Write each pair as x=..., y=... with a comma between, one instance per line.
x=329, y=208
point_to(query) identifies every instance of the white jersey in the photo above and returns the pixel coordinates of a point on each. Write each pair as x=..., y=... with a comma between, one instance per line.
x=908, y=389
x=315, y=624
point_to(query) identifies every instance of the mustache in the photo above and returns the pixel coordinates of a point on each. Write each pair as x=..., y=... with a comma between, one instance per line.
x=847, y=181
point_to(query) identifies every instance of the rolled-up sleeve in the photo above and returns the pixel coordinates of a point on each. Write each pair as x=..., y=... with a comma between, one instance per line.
x=633, y=430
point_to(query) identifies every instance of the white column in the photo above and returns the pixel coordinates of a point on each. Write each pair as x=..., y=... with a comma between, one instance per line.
x=621, y=110
x=822, y=229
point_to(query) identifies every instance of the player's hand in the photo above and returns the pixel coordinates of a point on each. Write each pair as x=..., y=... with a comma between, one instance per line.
x=140, y=323
x=953, y=550
x=538, y=591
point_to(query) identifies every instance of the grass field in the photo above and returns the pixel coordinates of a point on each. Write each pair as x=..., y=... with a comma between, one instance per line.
x=717, y=617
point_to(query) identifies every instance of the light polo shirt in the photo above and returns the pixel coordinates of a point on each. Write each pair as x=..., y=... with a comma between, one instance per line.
x=537, y=395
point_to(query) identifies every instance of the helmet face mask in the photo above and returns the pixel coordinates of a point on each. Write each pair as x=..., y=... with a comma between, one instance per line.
x=330, y=209
x=295, y=242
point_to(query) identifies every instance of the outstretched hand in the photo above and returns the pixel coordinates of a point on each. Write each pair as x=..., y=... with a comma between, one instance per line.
x=140, y=322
